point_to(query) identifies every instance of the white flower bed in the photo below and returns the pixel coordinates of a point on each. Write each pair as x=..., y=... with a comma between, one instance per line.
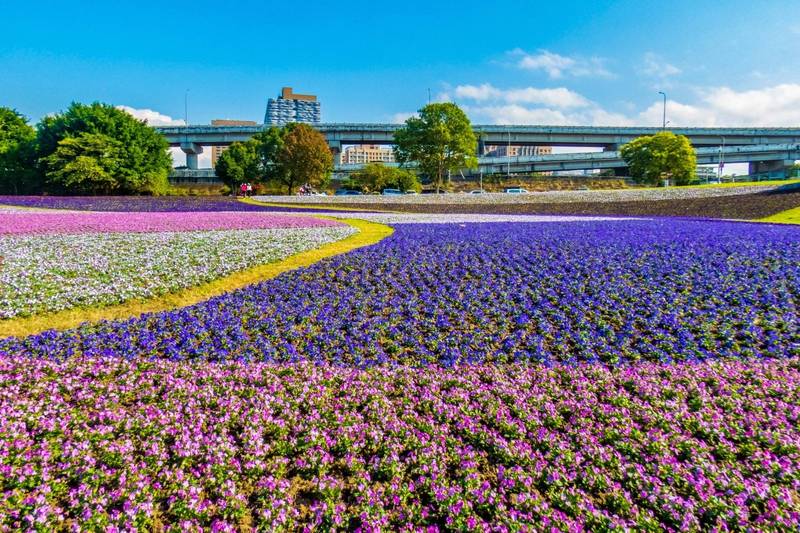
x=47, y=273
x=609, y=195
x=425, y=218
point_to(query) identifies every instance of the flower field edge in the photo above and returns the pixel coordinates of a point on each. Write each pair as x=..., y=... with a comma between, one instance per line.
x=318, y=207
x=368, y=233
x=790, y=216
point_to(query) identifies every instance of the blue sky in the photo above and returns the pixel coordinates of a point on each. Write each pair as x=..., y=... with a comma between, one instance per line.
x=567, y=62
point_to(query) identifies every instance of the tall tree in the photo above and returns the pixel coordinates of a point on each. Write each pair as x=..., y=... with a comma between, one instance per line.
x=17, y=154
x=303, y=158
x=240, y=163
x=87, y=164
x=144, y=162
x=439, y=140
x=653, y=158
x=269, y=144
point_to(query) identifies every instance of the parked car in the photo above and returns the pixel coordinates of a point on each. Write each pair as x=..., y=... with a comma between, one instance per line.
x=411, y=192
x=477, y=191
x=388, y=192
x=516, y=190
x=347, y=192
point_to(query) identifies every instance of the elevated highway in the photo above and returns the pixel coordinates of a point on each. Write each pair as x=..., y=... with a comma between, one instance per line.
x=192, y=139
x=762, y=158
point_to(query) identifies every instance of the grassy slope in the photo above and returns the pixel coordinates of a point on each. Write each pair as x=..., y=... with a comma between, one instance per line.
x=790, y=216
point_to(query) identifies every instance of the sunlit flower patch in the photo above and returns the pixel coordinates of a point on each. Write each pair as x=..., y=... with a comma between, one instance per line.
x=46, y=273
x=136, y=203
x=133, y=444
x=52, y=222
x=610, y=292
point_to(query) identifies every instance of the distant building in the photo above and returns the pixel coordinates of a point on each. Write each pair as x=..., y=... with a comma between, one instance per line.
x=290, y=107
x=504, y=150
x=707, y=173
x=370, y=153
x=216, y=151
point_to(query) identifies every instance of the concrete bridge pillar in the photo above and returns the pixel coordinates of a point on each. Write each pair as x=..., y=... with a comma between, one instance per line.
x=336, y=150
x=771, y=167
x=191, y=150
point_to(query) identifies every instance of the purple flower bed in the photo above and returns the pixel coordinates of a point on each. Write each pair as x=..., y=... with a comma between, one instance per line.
x=610, y=292
x=140, y=203
x=110, y=444
x=57, y=222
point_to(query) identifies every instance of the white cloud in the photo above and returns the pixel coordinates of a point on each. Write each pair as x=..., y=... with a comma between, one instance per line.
x=775, y=106
x=654, y=66
x=153, y=118
x=518, y=114
x=722, y=106
x=399, y=118
x=559, y=97
x=557, y=66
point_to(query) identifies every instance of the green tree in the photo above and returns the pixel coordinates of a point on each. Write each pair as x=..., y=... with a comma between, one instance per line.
x=269, y=144
x=18, y=174
x=304, y=157
x=439, y=140
x=377, y=176
x=240, y=163
x=144, y=162
x=652, y=158
x=87, y=164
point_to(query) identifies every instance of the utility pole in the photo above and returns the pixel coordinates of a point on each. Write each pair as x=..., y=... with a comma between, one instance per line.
x=429, y=96
x=721, y=161
x=664, y=112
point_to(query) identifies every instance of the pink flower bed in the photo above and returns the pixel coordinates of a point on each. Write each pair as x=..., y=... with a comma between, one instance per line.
x=31, y=223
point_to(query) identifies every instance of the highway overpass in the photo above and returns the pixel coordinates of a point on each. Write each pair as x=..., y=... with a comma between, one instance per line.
x=762, y=158
x=192, y=139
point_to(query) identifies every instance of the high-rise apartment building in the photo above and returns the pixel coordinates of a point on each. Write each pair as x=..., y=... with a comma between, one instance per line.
x=216, y=151
x=370, y=153
x=291, y=107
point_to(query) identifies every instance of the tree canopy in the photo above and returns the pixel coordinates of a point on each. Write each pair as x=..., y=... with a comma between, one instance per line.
x=142, y=161
x=439, y=140
x=375, y=177
x=653, y=158
x=303, y=158
x=240, y=163
x=285, y=156
x=87, y=163
x=17, y=154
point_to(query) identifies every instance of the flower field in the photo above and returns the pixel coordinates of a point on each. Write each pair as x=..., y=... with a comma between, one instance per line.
x=58, y=222
x=148, y=204
x=57, y=260
x=492, y=373
x=612, y=292
x=101, y=442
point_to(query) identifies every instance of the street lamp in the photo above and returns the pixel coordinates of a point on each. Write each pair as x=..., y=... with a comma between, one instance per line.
x=186, y=108
x=721, y=161
x=664, y=113
x=508, y=155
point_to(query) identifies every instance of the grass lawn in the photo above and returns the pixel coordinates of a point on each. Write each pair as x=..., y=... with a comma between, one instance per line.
x=790, y=216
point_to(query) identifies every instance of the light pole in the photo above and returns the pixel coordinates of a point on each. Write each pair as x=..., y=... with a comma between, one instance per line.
x=508, y=155
x=186, y=108
x=664, y=112
x=721, y=161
